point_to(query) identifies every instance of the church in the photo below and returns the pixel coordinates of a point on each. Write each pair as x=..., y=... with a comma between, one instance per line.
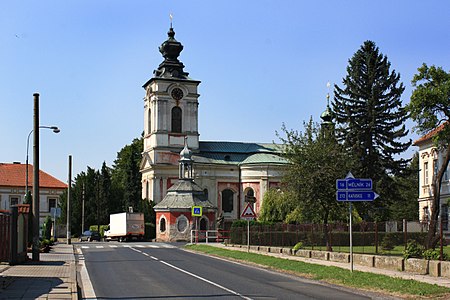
x=229, y=173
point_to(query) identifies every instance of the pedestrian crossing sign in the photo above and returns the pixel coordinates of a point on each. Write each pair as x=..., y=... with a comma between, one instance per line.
x=197, y=211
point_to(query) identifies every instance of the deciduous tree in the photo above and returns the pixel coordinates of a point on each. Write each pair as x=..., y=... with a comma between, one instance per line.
x=430, y=109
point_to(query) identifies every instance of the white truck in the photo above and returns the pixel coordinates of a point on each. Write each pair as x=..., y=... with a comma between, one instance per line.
x=125, y=226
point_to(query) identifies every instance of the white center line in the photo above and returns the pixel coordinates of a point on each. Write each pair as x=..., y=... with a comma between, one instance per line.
x=196, y=276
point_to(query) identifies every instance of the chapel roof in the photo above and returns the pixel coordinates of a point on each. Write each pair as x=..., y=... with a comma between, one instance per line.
x=183, y=195
x=14, y=175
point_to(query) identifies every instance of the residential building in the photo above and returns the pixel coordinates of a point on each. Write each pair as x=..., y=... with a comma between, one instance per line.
x=13, y=186
x=430, y=160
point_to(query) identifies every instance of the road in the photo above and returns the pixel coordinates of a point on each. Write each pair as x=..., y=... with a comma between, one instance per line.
x=164, y=271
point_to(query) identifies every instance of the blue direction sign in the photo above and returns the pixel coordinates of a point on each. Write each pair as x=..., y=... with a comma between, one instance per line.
x=356, y=195
x=354, y=184
x=355, y=189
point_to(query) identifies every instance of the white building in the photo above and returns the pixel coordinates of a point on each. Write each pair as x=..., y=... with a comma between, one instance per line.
x=430, y=160
x=227, y=171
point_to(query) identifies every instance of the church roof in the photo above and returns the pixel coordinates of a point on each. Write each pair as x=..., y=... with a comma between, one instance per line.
x=239, y=153
x=183, y=195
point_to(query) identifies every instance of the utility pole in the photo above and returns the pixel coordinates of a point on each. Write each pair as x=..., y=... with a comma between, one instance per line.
x=69, y=185
x=82, y=209
x=36, y=243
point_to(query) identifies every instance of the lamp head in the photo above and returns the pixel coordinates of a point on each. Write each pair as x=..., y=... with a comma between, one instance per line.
x=55, y=129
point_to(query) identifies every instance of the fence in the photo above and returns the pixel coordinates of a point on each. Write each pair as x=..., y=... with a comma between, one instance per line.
x=14, y=234
x=367, y=237
x=5, y=235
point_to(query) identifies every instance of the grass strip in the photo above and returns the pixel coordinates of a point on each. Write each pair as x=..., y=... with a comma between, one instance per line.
x=331, y=274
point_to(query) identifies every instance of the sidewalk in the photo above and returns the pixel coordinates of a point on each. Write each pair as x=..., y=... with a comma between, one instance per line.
x=53, y=277
x=441, y=281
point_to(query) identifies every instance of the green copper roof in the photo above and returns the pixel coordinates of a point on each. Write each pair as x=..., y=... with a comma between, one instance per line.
x=238, y=153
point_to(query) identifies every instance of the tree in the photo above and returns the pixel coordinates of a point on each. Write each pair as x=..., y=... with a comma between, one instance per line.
x=406, y=205
x=316, y=161
x=371, y=122
x=126, y=174
x=430, y=109
x=277, y=206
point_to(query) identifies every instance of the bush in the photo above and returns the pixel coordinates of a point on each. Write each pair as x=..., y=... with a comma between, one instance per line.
x=413, y=250
x=388, y=242
x=150, y=231
x=433, y=254
x=298, y=246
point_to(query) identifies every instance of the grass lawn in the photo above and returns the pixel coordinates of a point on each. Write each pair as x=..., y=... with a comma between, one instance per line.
x=361, y=280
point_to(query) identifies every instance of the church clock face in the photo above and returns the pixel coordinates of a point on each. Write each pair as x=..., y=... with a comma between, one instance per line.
x=177, y=94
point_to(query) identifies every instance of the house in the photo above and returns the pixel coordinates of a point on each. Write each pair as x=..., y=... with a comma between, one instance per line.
x=13, y=186
x=430, y=160
x=228, y=172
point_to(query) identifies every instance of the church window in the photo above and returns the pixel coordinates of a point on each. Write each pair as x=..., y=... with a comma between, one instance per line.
x=227, y=200
x=162, y=225
x=176, y=119
x=205, y=192
x=149, y=122
x=250, y=197
x=182, y=223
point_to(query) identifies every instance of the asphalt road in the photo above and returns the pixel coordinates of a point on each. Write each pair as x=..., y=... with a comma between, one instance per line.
x=163, y=271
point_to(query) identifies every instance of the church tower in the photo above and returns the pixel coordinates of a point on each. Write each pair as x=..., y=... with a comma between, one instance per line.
x=170, y=117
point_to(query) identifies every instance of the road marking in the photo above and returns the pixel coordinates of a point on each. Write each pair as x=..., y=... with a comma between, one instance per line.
x=99, y=247
x=195, y=276
x=85, y=247
x=113, y=246
x=88, y=289
x=159, y=246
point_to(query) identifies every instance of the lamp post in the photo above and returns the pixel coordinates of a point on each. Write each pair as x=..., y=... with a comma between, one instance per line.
x=55, y=130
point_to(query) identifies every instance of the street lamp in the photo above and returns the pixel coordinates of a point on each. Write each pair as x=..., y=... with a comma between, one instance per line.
x=55, y=130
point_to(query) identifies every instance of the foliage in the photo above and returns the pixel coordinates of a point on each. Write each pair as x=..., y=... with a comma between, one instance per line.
x=371, y=121
x=150, y=231
x=298, y=246
x=430, y=109
x=277, y=205
x=413, y=250
x=406, y=205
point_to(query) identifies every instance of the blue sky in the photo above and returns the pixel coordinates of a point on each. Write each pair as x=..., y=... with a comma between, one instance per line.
x=261, y=63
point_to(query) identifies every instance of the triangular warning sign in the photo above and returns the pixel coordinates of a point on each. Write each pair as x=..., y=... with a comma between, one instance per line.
x=248, y=212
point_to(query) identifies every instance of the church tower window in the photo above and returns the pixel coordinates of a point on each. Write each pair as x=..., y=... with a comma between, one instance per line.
x=176, y=119
x=149, y=121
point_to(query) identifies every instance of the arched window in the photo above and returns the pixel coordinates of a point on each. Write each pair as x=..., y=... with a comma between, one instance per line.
x=250, y=197
x=205, y=192
x=149, y=122
x=162, y=225
x=227, y=200
x=176, y=119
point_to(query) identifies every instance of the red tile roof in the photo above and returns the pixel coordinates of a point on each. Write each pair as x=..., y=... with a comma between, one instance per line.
x=430, y=134
x=14, y=175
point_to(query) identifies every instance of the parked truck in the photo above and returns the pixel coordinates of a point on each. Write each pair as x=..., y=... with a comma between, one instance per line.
x=125, y=227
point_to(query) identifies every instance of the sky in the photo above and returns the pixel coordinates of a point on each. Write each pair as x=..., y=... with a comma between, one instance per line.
x=261, y=63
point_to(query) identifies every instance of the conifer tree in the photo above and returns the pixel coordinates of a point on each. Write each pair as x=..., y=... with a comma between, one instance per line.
x=371, y=121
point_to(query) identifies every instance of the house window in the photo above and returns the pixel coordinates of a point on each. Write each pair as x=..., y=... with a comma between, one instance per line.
x=227, y=200
x=426, y=214
x=13, y=200
x=176, y=119
x=147, y=187
x=425, y=169
x=51, y=204
x=162, y=225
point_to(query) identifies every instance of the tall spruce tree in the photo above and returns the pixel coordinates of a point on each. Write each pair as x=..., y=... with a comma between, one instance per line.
x=371, y=122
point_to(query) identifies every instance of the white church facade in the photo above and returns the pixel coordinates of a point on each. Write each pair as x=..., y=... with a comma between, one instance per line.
x=228, y=172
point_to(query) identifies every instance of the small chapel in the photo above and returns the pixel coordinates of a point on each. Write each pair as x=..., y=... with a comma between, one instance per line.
x=227, y=173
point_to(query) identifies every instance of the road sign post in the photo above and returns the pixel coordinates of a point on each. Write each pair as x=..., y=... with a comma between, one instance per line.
x=248, y=214
x=351, y=189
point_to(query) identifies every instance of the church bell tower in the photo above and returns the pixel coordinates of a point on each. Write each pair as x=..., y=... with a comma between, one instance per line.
x=170, y=117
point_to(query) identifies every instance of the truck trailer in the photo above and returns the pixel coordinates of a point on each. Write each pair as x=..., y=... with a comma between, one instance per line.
x=125, y=227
